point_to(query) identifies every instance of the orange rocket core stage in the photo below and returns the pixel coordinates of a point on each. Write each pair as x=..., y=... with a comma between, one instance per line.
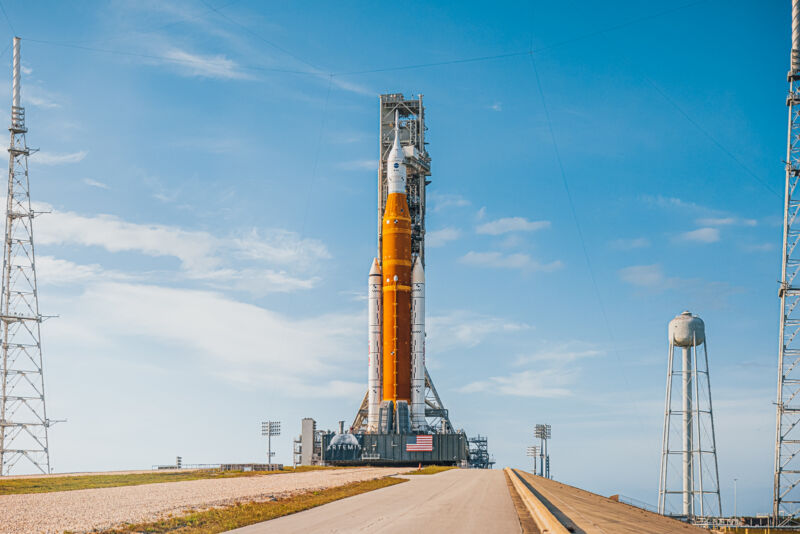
x=396, y=264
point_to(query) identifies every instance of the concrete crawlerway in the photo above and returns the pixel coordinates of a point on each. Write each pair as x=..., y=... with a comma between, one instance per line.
x=460, y=500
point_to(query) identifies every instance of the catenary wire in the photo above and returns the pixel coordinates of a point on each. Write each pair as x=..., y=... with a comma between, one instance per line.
x=3, y=9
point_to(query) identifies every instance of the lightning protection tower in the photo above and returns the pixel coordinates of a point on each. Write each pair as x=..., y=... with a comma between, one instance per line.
x=689, y=480
x=786, y=481
x=23, y=415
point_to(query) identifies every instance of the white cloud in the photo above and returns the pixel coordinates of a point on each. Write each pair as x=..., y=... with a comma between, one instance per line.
x=239, y=342
x=40, y=98
x=439, y=238
x=726, y=221
x=440, y=201
x=463, y=329
x=266, y=261
x=629, y=244
x=497, y=106
x=552, y=370
x=95, y=183
x=701, y=235
x=559, y=354
x=545, y=383
x=55, y=271
x=45, y=158
x=508, y=261
x=643, y=275
x=511, y=224
x=359, y=165
x=217, y=66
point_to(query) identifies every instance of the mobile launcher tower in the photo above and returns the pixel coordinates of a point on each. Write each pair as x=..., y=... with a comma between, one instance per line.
x=401, y=419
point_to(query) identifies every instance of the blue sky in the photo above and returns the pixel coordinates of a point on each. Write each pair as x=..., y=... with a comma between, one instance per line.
x=212, y=188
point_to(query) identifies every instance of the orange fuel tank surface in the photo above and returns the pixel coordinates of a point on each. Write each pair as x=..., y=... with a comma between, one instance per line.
x=396, y=264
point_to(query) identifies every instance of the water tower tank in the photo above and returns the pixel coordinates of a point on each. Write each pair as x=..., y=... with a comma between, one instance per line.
x=686, y=330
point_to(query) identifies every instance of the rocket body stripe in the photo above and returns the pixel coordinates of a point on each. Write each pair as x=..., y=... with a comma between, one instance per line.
x=375, y=298
x=418, y=421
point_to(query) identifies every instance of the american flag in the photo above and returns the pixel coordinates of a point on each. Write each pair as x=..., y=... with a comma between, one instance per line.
x=419, y=444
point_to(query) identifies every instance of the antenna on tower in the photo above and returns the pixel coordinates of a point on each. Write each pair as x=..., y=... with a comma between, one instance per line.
x=23, y=415
x=695, y=486
x=786, y=482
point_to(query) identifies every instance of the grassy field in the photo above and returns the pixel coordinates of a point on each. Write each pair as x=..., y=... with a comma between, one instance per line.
x=432, y=469
x=241, y=515
x=69, y=483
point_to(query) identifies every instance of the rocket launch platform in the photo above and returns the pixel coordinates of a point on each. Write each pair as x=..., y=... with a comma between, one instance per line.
x=401, y=419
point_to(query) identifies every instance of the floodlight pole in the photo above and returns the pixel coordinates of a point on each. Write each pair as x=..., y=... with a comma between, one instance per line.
x=269, y=429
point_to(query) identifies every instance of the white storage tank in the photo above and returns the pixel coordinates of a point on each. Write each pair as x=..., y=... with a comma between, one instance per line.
x=686, y=330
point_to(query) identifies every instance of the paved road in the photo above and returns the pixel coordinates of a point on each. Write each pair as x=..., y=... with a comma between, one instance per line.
x=459, y=500
x=589, y=513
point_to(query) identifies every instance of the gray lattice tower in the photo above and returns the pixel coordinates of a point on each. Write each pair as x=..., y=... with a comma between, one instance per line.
x=786, y=483
x=689, y=477
x=23, y=415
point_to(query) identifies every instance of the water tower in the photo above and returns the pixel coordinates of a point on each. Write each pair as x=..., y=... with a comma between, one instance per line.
x=689, y=481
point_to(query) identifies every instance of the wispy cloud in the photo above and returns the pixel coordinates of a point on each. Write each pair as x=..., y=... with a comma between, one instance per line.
x=216, y=66
x=701, y=235
x=552, y=371
x=359, y=165
x=643, y=275
x=465, y=329
x=260, y=261
x=511, y=224
x=260, y=347
x=46, y=158
x=40, y=98
x=726, y=221
x=630, y=244
x=439, y=202
x=497, y=106
x=546, y=383
x=95, y=183
x=499, y=260
x=439, y=238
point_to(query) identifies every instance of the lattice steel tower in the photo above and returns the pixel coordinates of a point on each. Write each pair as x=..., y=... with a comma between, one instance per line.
x=786, y=484
x=23, y=416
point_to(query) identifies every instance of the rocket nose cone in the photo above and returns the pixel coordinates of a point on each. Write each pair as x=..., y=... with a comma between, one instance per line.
x=417, y=272
x=376, y=268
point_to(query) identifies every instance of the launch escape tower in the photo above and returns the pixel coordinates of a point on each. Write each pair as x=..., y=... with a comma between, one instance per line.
x=411, y=128
x=786, y=483
x=691, y=492
x=23, y=415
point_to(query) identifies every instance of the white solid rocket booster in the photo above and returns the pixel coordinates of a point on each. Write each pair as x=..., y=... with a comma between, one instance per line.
x=418, y=347
x=374, y=294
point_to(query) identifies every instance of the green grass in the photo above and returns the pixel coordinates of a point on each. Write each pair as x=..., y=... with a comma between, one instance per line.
x=68, y=483
x=432, y=470
x=240, y=515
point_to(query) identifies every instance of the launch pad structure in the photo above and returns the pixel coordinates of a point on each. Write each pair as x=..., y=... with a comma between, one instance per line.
x=401, y=419
x=411, y=129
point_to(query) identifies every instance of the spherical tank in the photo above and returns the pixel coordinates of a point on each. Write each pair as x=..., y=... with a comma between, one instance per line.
x=686, y=330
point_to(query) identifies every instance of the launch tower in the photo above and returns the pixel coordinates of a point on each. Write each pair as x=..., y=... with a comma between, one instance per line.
x=401, y=420
x=406, y=117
